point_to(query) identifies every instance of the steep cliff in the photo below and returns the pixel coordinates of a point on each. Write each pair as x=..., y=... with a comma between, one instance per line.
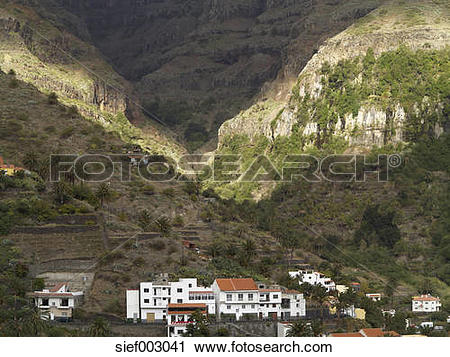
x=197, y=63
x=54, y=60
x=383, y=80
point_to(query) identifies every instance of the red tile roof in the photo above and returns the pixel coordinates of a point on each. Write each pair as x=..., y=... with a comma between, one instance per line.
x=58, y=286
x=291, y=292
x=346, y=334
x=378, y=332
x=367, y=332
x=236, y=284
x=188, y=306
x=425, y=298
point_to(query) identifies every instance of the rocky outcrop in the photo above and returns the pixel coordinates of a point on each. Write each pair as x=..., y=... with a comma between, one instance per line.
x=214, y=55
x=381, y=31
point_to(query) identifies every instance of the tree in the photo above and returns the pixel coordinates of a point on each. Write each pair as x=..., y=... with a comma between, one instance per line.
x=61, y=191
x=103, y=193
x=31, y=161
x=145, y=220
x=99, y=328
x=198, y=327
x=299, y=329
x=163, y=225
x=249, y=249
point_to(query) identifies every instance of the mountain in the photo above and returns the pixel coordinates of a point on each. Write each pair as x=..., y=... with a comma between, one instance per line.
x=52, y=59
x=195, y=64
x=382, y=81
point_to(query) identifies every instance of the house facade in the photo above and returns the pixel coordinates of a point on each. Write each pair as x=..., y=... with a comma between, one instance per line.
x=236, y=298
x=150, y=302
x=58, y=302
x=180, y=316
x=426, y=303
x=374, y=296
x=240, y=299
x=313, y=278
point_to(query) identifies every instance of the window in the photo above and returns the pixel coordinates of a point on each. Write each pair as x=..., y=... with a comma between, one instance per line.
x=253, y=306
x=146, y=301
x=228, y=307
x=274, y=305
x=250, y=297
x=240, y=297
x=275, y=296
x=179, y=301
x=64, y=302
x=244, y=306
x=146, y=290
x=190, y=285
x=179, y=290
x=229, y=297
x=45, y=302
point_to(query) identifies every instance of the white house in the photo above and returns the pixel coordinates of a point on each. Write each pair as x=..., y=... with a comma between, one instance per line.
x=313, y=278
x=374, y=296
x=236, y=297
x=180, y=316
x=426, y=303
x=293, y=305
x=150, y=302
x=58, y=302
x=241, y=298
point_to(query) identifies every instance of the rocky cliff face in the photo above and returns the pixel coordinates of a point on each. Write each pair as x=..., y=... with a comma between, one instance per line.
x=47, y=55
x=370, y=119
x=213, y=56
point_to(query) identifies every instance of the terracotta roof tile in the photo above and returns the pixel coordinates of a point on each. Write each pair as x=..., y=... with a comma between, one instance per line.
x=236, y=284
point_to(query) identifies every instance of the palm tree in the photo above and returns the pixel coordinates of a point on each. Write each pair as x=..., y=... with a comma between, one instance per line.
x=103, y=193
x=299, y=329
x=249, y=249
x=320, y=295
x=61, y=190
x=31, y=161
x=99, y=328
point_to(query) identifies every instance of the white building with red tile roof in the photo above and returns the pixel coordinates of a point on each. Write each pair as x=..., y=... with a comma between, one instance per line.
x=57, y=302
x=242, y=298
x=236, y=298
x=150, y=302
x=426, y=303
x=180, y=316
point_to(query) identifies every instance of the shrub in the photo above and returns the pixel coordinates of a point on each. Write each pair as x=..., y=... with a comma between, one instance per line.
x=67, y=132
x=158, y=245
x=169, y=192
x=148, y=190
x=52, y=98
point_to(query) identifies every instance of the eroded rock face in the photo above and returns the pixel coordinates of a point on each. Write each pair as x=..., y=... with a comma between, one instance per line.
x=215, y=55
x=371, y=125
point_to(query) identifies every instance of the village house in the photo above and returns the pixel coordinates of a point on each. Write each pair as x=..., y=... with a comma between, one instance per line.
x=9, y=170
x=243, y=298
x=313, y=278
x=180, y=316
x=236, y=298
x=425, y=303
x=293, y=305
x=58, y=302
x=150, y=302
x=374, y=296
